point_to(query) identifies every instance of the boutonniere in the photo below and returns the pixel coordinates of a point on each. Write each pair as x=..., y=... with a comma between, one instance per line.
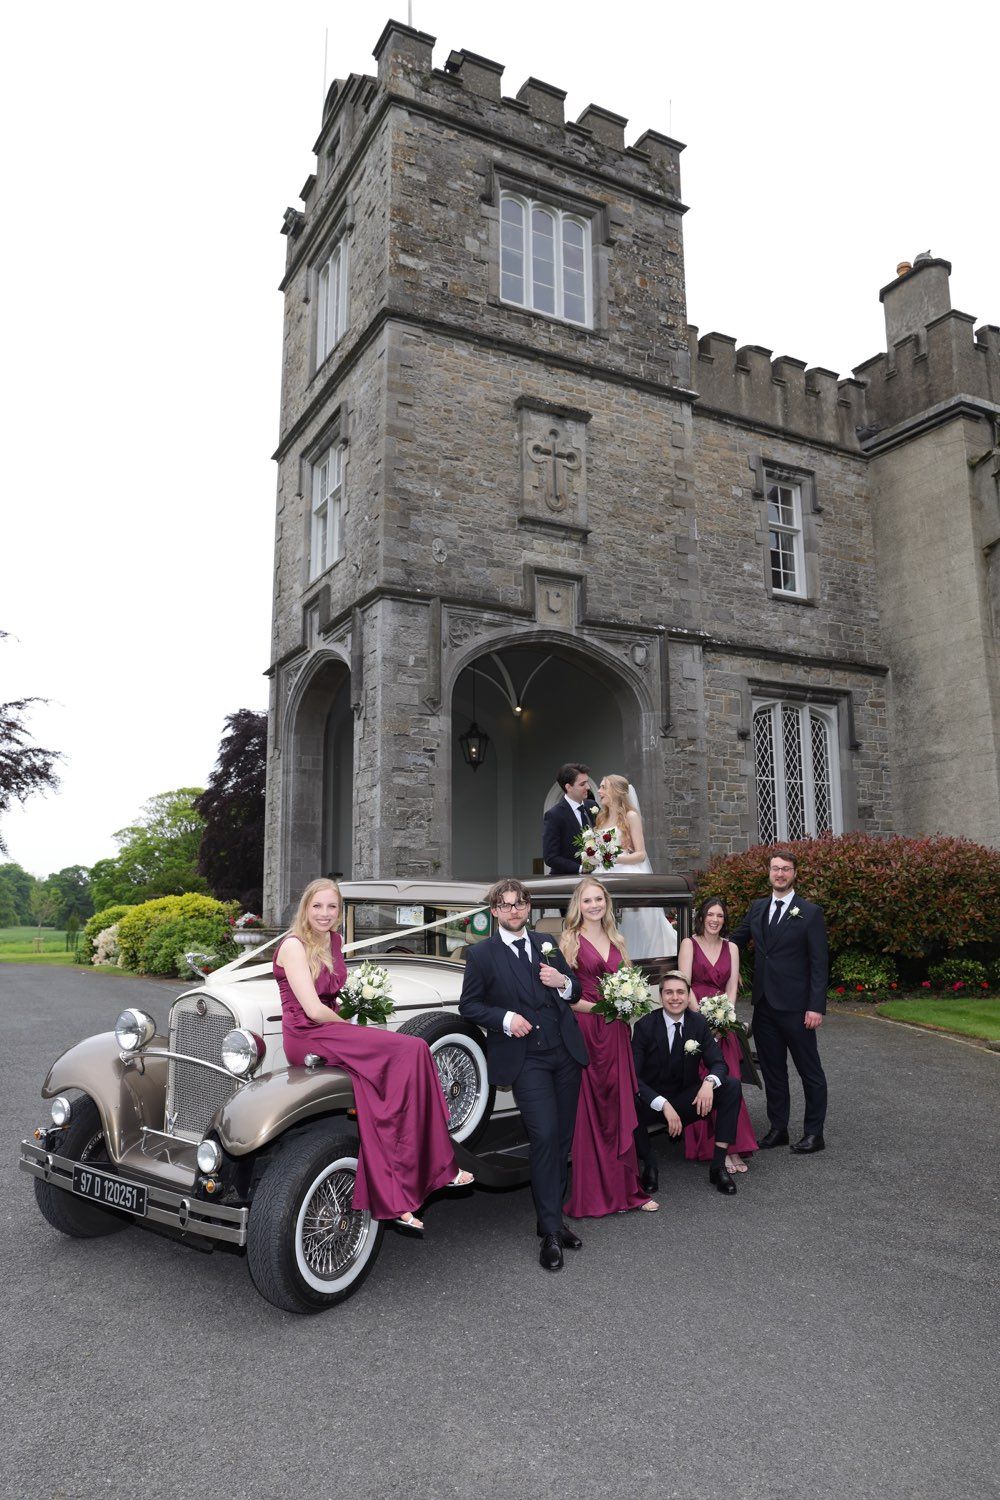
x=547, y=951
x=593, y=809
x=795, y=912
x=692, y=1047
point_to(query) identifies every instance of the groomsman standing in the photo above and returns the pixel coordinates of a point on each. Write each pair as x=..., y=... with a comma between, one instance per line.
x=789, y=1000
x=571, y=815
x=521, y=998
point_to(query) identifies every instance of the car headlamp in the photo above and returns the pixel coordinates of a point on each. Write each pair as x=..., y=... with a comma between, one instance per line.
x=209, y=1156
x=60, y=1110
x=242, y=1051
x=133, y=1029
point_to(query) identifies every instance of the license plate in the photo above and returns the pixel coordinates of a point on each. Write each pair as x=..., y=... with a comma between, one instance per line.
x=110, y=1192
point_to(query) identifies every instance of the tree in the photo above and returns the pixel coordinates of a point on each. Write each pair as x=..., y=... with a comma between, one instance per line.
x=231, y=856
x=24, y=768
x=16, y=886
x=43, y=906
x=71, y=888
x=157, y=855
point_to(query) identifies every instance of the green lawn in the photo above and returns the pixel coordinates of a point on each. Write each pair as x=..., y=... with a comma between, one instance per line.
x=18, y=946
x=971, y=1017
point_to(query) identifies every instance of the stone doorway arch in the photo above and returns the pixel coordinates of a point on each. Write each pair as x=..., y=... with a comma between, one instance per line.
x=318, y=770
x=543, y=700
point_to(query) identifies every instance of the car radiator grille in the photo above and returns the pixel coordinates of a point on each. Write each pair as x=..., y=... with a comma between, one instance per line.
x=194, y=1094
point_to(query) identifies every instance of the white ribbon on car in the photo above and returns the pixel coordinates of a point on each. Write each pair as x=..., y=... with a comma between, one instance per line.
x=390, y=937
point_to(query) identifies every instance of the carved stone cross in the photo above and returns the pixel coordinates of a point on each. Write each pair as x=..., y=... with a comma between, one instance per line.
x=558, y=465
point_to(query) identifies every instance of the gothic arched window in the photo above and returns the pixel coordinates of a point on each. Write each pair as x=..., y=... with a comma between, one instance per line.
x=545, y=259
x=797, y=771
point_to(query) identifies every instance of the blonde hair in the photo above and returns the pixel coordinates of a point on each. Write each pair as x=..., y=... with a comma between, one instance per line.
x=319, y=953
x=569, y=943
x=616, y=813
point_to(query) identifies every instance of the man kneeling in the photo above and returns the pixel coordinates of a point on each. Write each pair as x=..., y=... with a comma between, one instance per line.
x=667, y=1046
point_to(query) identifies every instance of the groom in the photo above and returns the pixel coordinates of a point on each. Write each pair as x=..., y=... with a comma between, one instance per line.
x=789, y=1000
x=522, y=1000
x=572, y=814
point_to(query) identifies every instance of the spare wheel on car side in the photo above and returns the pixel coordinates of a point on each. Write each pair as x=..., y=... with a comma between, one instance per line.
x=459, y=1054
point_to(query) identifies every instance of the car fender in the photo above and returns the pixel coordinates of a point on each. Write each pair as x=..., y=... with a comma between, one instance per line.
x=128, y=1094
x=268, y=1106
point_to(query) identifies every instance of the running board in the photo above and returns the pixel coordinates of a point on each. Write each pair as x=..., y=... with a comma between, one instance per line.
x=499, y=1169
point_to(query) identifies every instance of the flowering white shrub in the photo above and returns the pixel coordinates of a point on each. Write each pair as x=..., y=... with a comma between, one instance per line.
x=106, y=947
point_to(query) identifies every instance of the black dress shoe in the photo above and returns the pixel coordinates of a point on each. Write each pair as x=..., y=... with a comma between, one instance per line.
x=550, y=1257
x=720, y=1177
x=774, y=1137
x=808, y=1144
x=567, y=1238
x=649, y=1177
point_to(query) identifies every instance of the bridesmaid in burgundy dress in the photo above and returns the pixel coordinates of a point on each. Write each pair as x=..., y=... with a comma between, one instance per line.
x=406, y=1151
x=711, y=965
x=605, y=1170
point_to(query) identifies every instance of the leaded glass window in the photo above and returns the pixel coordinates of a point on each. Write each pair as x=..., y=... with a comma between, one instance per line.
x=795, y=765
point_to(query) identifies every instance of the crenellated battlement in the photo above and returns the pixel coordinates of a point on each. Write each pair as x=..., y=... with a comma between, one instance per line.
x=807, y=401
x=471, y=84
x=948, y=359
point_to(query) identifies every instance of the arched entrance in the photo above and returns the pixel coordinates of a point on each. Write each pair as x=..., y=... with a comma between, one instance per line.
x=318, y=767
x=540, y=704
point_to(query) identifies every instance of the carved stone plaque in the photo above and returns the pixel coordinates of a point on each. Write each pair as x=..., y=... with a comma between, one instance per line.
x=553, y=464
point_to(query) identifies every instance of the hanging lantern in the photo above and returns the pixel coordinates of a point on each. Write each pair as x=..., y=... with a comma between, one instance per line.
x=474, y=741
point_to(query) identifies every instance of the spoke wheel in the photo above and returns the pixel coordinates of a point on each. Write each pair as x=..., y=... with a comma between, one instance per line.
x=460, y=1058
x=307, y=1248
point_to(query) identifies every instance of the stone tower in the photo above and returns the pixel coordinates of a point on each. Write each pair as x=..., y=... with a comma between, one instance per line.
x=516, y=489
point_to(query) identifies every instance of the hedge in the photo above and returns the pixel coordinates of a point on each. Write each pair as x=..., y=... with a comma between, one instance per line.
x=918, y=900
x=153, y=937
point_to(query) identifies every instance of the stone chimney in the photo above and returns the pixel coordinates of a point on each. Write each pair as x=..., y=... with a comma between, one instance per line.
x=915, y=299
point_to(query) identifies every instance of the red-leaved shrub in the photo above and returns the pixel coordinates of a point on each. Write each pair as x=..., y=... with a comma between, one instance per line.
x=917, y=899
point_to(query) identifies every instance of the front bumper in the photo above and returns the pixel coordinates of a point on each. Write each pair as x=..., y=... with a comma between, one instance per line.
x=180, y=1211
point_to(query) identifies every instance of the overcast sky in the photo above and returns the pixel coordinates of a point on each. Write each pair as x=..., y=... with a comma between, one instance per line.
x=150, y=154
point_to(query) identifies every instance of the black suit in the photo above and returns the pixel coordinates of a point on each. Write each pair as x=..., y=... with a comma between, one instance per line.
x=543, y=1068
x=560, y=827
x=676, y=1076
x=789, y=977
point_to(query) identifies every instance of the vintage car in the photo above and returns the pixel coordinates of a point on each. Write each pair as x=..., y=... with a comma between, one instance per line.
x=208, y=1134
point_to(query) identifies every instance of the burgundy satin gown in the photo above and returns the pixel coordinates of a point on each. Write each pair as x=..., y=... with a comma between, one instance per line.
x=406, y=1151
x=605, y=1171
x=699, y=1138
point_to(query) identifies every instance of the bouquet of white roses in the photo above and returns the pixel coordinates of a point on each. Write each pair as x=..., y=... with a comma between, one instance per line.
x=597, y=848
x=720, y=1013
x=624, y=995
x=367, y=995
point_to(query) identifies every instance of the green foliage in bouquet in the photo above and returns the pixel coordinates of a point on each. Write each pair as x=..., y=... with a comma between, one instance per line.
x=153, y=935
x=367, y=995
x=95, y=925
x=915, y=899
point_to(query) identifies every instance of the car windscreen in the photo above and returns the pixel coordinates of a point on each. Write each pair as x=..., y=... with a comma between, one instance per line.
x=649, y=931
x=393, y=925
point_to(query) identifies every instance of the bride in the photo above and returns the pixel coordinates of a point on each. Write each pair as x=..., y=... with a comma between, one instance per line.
x=646, y=931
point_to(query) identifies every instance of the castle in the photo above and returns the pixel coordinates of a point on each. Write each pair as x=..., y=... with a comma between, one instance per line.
x=526, y=514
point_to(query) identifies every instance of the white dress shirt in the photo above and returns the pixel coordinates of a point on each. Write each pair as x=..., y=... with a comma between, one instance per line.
x=671, y=1023
x=787, y=902
x=510, y=938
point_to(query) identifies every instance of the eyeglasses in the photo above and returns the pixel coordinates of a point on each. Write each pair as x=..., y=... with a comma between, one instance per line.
x=512, y=905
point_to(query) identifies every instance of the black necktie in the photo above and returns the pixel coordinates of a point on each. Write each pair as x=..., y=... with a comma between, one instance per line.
x=678, y=1042
x=776, y=914
x=522, y=950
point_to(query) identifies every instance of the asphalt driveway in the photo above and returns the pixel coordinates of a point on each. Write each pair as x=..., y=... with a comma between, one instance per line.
x=829, y=1332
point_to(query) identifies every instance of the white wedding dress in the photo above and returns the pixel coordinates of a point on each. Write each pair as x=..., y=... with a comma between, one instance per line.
x=646, y=931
